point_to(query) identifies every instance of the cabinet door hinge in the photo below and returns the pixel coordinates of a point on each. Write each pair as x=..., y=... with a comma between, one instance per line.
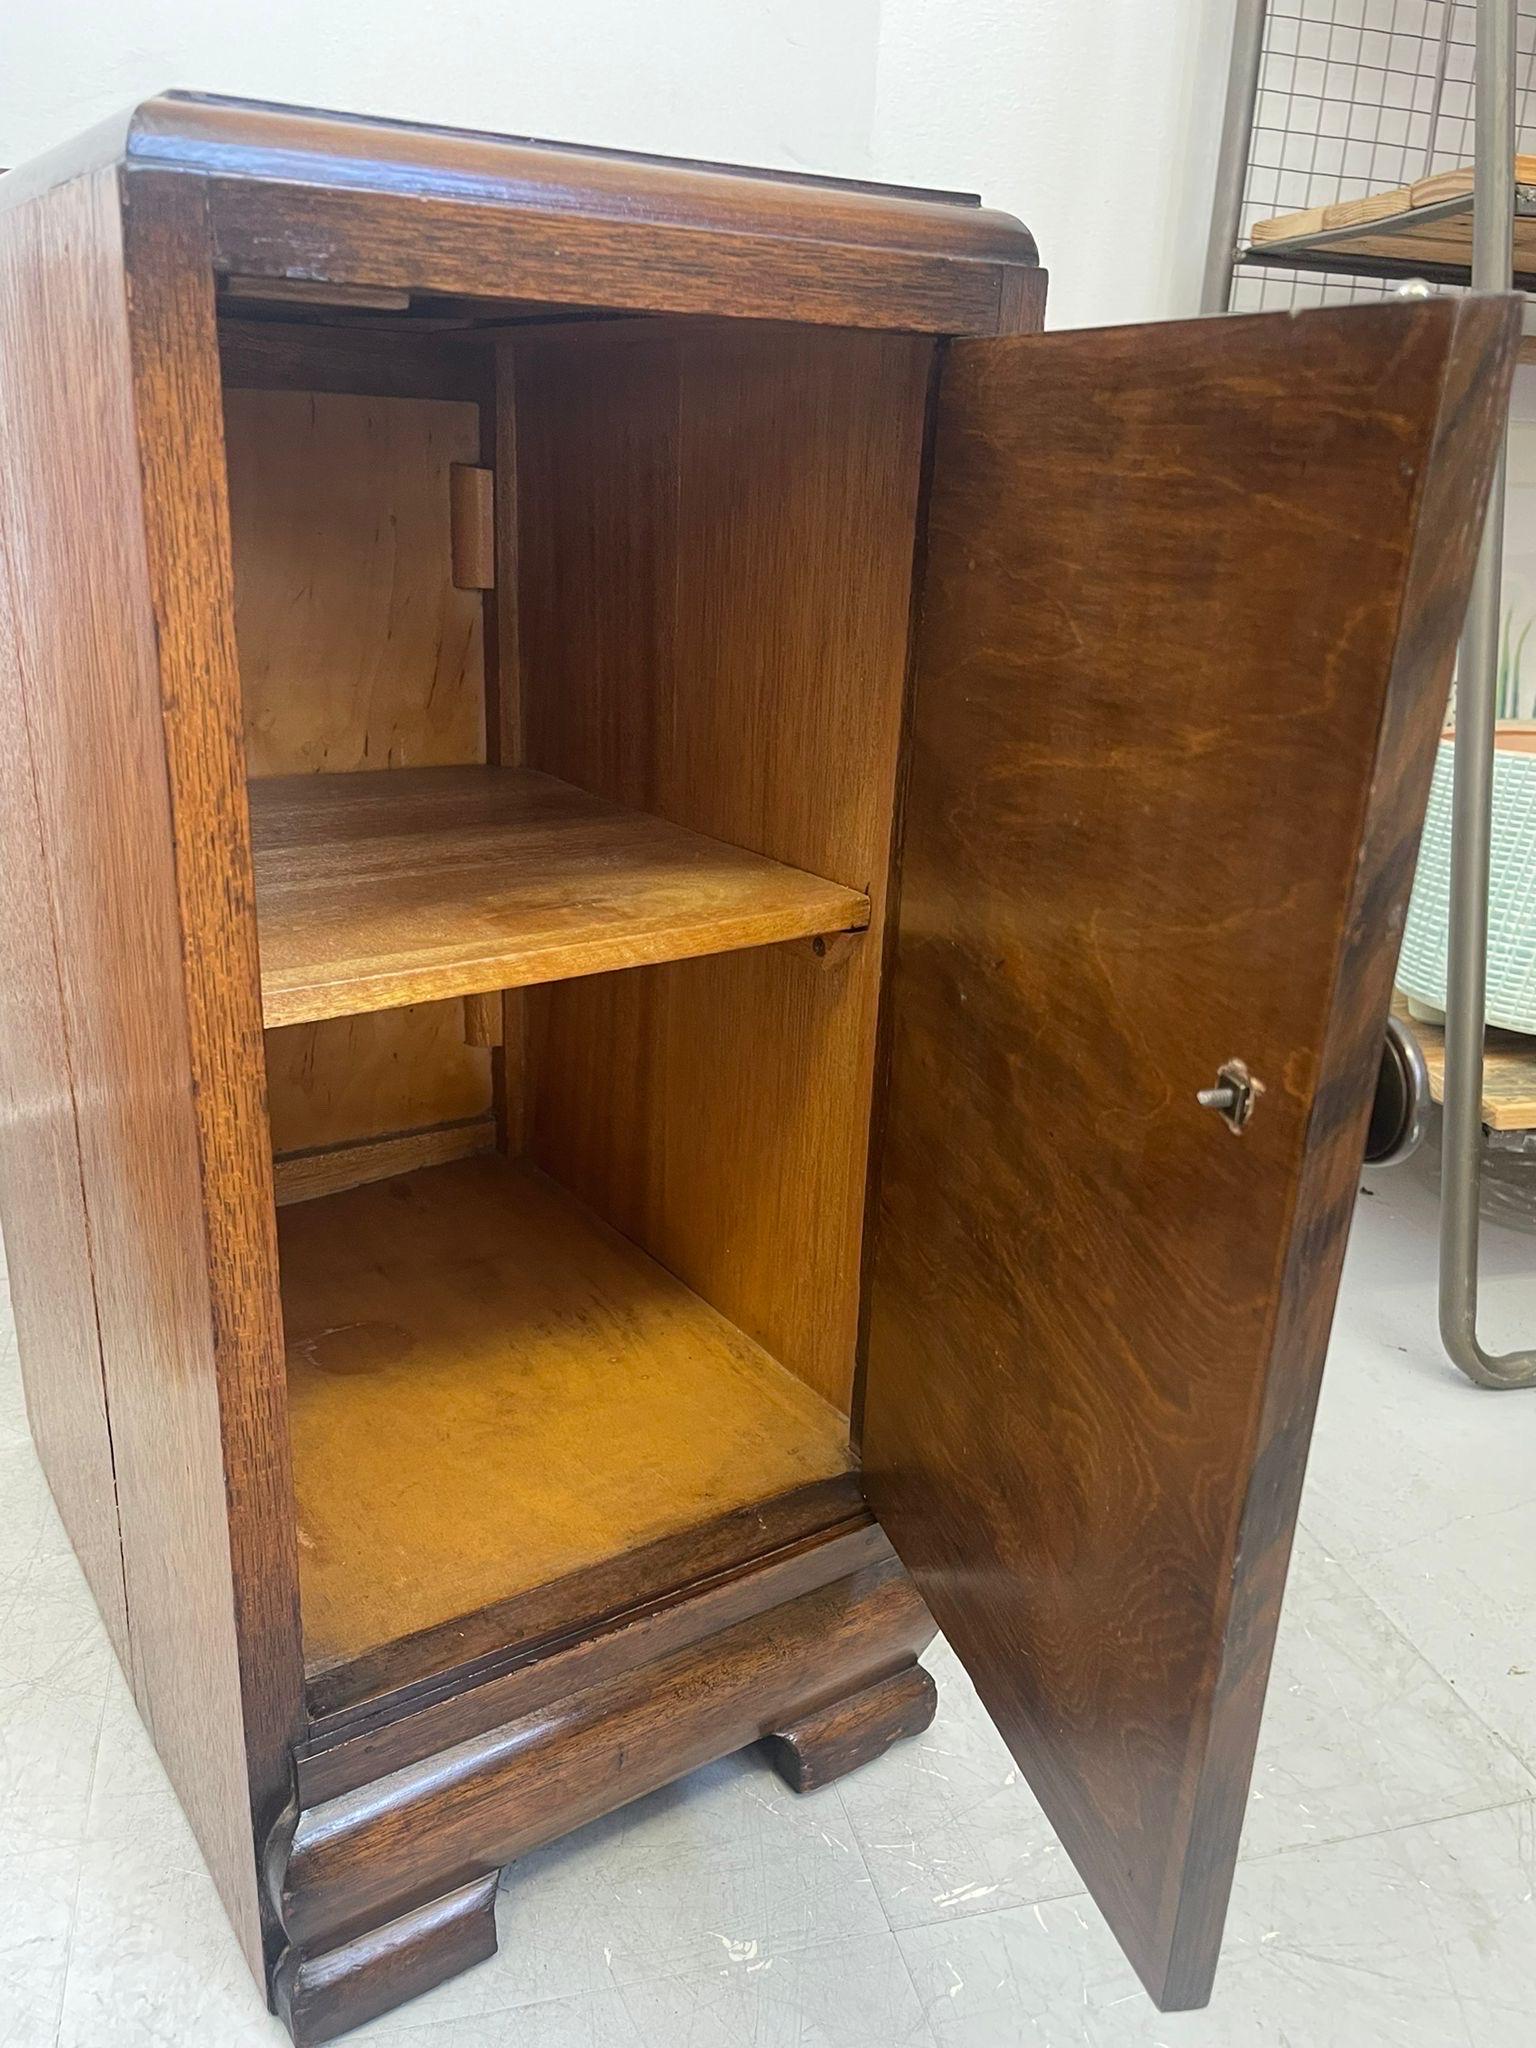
x=472, y=521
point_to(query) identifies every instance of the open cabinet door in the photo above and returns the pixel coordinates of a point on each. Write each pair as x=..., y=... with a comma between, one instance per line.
x=1188, y=618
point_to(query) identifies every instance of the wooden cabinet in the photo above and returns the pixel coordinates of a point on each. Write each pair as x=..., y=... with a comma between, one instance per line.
x=603, y=1083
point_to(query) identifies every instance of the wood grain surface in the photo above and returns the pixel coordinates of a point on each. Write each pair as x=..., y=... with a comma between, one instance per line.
x=339, y=199
x=117, y=538
x=459, y=1659
x=490, y=1390
x=380, y=890
x=304, y=1176
x=348, y=1080
x=367, y=362
x=715, y=554
x=1509, y=1070
x=356, y=649
x=461, y=1812
x=827, y=1743
x=1170, y=752
x=1371, y=207
x=321, y=1995
x=42, y=1201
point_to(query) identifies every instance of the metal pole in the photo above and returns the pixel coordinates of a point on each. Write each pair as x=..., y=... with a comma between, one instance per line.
x=1232, y=157
x=1493, y=214
x=1437, y=94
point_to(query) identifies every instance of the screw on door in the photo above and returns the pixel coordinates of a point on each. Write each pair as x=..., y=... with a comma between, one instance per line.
x=1234, y=1095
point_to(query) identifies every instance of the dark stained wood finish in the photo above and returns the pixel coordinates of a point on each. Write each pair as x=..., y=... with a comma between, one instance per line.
x=739, y=1574
x=228, y=1226
x=828, y=1742
x=311, y=196
x=715, y=554
x=147, y=1170
x=42, y=1203
x=471, y=1648
x=446, y=245
x=367, y=362
x=1190, y=607
x=122, y=623
x=460, y=1813
x=322, y=1995
x=1188, y=617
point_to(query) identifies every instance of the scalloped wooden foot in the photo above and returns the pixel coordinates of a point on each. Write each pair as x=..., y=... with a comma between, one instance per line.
x=320, y=1995
x=812, y=1751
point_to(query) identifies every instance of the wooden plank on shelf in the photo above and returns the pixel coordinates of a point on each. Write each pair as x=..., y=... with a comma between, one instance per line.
x=1371, y=207
x=411, y=884
x=1509, y=1071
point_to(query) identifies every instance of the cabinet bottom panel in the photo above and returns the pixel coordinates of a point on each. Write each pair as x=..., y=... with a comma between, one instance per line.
x=386, y=1888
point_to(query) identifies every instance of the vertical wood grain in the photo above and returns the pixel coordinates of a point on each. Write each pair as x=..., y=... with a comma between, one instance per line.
x=173, y=340
x=119, y=573
x=716, y=531
x=42, y=1203
x=471, y=499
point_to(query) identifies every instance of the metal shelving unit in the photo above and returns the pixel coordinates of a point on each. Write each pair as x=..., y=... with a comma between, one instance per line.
x=1349, y=104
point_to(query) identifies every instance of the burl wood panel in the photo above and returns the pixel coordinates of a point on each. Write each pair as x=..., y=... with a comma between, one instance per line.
x=715, y=538
x=378, y=890
x=116, y=532
x=490, y=1390
x=1191, y=602
x=356, y=652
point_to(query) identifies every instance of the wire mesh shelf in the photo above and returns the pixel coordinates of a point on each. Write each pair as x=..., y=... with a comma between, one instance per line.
x=1358, y=97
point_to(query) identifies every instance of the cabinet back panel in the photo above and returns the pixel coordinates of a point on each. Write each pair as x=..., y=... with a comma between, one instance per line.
x=356, y=650
x=357, y=653
x=715, y=536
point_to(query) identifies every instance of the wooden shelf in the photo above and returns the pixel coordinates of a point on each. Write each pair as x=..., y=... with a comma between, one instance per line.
x=1509, y=1072
x=1422, y=230
x=405, y=885
x=490, y=1390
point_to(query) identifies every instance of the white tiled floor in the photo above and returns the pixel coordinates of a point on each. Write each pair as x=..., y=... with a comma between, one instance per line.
x=1385, y=1894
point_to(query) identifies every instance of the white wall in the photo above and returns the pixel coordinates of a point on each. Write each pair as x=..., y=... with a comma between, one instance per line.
x=1093, y=119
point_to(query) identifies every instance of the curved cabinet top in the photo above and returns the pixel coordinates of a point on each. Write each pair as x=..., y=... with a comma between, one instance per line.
x=595, y=227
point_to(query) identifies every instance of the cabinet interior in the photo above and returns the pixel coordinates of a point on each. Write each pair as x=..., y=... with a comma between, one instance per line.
x=570, y=900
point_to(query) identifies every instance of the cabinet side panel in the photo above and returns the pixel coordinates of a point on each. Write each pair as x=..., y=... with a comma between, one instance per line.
x=715, y=538
x=173, y=342
x=171, y=1181
x=42, y=1210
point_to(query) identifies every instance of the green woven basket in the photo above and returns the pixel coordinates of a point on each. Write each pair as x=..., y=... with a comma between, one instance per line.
x=1421, y=969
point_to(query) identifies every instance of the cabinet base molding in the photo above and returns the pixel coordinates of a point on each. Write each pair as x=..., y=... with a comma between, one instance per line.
x=827, y=1676
x=833, y=1740
x=320, y=1995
